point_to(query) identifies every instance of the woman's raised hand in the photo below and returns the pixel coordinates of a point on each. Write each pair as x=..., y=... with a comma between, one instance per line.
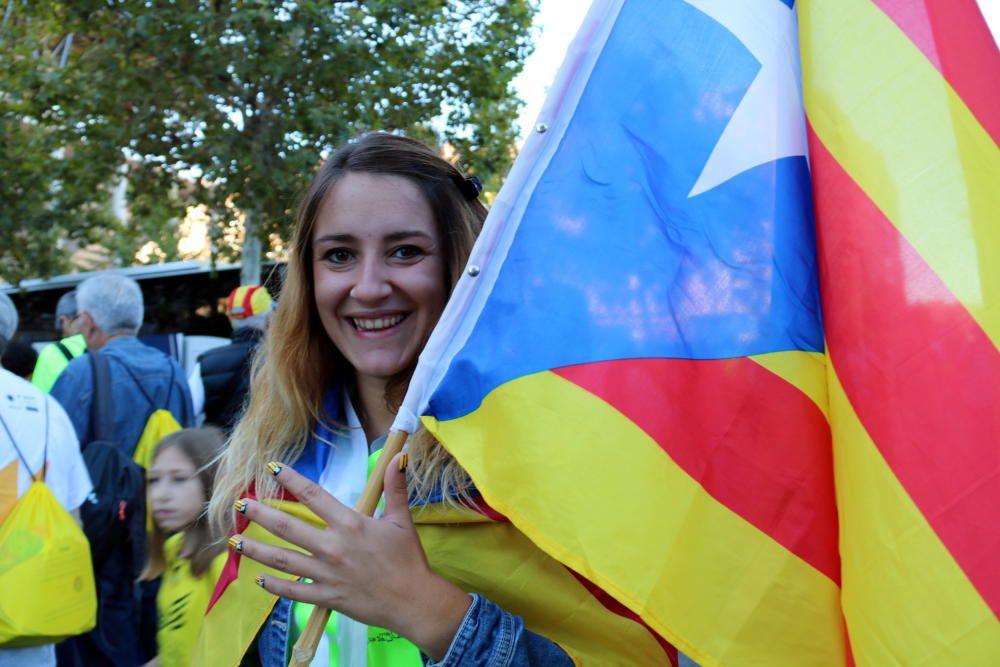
x=373, y=570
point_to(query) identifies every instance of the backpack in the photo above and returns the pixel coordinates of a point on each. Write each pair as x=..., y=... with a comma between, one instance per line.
x=47, y=590
x=160, y=423
x=115, y=513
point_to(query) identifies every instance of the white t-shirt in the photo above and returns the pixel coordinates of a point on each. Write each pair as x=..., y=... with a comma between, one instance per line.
x=31, y=415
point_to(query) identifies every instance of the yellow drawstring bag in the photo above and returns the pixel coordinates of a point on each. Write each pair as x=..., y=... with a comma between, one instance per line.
x=46, y=579
x=159, y=425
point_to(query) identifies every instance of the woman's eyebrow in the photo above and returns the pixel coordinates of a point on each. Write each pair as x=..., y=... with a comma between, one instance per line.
x=392, y=237
x=336, y=238
x=401, y=235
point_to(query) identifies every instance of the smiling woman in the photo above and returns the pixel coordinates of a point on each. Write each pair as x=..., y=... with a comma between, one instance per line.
x=379, y=279
x=384, y=231
x=382, y=236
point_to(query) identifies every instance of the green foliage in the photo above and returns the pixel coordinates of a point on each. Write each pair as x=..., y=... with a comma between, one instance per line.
x=54, y=188
x=232, y=104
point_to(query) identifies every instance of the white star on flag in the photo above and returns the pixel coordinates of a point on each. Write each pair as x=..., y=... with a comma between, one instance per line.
x=769, y=122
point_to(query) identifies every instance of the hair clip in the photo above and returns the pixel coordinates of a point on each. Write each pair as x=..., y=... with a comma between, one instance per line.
x=470, y=187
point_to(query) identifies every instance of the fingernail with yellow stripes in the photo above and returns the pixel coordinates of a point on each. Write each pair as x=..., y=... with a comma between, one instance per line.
x=274, y=467
x=404, y=461
x=241, y=505
x=236, y=543
x=259, y=580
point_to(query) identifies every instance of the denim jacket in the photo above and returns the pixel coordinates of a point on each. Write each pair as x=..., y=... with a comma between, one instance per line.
x=491, y=636
x=74, y=389
x=487, y=637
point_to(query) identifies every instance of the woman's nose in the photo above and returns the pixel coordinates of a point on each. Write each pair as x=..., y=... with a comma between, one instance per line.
x=372, y=282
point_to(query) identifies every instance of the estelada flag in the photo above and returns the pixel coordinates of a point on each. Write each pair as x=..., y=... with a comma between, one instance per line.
x=634, y=370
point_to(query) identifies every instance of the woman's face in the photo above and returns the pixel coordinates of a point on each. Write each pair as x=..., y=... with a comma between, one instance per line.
x=378, y=272
x=176, y=495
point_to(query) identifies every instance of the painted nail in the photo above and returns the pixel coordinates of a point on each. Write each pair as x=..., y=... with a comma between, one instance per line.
x=404, y=461
x=236, y=543
x=259, y=580
x=241, y=505
x=274, y=467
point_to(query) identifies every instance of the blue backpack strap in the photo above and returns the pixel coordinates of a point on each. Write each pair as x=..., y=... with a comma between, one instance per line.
x=142, y=390
x=149, y=399
x=100, y=408
x=170, y=387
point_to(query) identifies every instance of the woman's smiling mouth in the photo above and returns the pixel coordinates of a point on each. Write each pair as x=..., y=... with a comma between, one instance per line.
x=376, y=323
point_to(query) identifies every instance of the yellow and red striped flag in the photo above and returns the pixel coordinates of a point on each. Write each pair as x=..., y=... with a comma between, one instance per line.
x=903, y=107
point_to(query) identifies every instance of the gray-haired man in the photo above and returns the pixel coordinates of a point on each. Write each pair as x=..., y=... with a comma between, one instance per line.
x=142, y=380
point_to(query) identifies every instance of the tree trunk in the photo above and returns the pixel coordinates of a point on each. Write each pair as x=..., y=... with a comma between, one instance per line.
x=250, y=270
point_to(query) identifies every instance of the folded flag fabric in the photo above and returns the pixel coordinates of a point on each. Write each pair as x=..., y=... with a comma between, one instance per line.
x=478, y=550
x=239, y=607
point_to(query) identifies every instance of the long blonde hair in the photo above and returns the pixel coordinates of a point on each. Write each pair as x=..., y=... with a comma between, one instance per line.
x=296, y=362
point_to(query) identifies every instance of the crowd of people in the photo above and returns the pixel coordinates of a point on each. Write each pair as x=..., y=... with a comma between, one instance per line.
x=98, y=383
x=296, y=413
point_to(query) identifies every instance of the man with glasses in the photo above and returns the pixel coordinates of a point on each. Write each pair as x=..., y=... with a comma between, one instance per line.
x=54, y=357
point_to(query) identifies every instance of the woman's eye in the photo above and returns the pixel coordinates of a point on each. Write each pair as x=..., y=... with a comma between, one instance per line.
x=337, y=255
x=407, y=252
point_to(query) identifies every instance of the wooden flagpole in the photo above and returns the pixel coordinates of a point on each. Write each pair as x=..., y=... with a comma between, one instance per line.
x=305, y=647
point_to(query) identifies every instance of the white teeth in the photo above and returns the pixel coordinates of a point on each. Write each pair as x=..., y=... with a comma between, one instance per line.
x=377, y=323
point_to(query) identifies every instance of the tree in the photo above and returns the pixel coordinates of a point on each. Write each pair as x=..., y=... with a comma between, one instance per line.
x=232, y=104
x=51, y=181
